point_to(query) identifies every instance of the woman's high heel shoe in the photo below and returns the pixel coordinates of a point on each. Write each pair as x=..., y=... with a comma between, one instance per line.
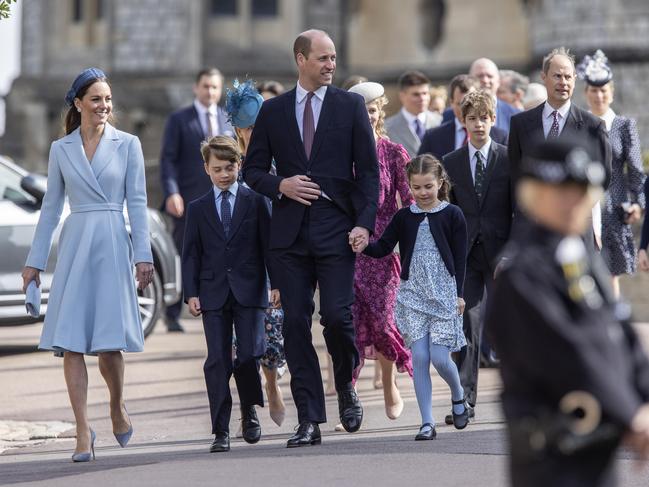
x=123, y=438
x=85, y=457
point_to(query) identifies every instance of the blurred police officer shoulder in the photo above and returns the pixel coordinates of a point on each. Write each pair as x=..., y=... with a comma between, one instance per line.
x=575, y=377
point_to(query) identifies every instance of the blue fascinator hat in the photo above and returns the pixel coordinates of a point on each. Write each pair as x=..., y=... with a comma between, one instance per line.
x=243, y=103
x=595, y=69
x=85, y=77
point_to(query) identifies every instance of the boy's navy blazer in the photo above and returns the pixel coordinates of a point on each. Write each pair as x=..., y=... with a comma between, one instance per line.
x=440, y=141
x=181, y=163
x=343, y=160
x=490, y=218
x=214, y=265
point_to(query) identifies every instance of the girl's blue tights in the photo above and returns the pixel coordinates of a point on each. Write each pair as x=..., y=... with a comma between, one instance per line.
x=423, y=353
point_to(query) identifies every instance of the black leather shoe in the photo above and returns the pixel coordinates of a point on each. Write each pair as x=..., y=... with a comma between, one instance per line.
x=449, y=418
x=350, y=410
x=221, y=442
x=250, y=427
x=426, y=432
x=460, y=420
x=307, y=434
x=175, y=327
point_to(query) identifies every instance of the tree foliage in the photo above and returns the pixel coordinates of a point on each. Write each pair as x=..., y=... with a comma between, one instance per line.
x=5, y=6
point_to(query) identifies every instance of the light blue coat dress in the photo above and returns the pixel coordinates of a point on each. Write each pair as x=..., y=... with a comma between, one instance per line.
x=92, y=304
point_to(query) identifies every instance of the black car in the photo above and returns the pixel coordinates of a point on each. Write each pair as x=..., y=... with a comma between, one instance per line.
x=21, y=194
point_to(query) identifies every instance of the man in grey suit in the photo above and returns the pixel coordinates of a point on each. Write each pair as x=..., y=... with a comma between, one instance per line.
x=409, y=125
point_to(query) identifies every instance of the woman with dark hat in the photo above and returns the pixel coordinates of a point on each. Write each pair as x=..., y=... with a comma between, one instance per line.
x=92, y=306
x=552, y=298
x=624, y=200
x=242, y=104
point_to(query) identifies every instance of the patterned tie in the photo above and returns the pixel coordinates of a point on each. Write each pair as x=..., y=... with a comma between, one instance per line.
x=226, y=212
x=308, y=125
x=554, y=130
x=210, y=126
x=419, y=129
x=479, y=174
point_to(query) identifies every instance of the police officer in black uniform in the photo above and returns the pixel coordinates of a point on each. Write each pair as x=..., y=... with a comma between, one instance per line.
x=575, y=377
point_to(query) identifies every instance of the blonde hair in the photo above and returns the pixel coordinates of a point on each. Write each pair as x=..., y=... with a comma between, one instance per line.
x=429, y=164
x=480, y=101
x=242, y=143
x=381, y=101
x=222, y=147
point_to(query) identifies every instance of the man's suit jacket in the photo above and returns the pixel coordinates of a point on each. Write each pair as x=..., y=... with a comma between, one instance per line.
x=441, y=140
x=181, y=164
x=343, y=160
x=504, y=113
x=399, y=131
x=527, y=130
x=213, y=264
x=491, y=218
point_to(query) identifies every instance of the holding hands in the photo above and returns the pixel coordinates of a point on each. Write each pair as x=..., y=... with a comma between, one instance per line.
x=359, y=238
x=143, y=274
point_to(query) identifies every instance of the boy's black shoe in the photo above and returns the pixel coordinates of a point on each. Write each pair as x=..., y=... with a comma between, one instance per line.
x=221, y=442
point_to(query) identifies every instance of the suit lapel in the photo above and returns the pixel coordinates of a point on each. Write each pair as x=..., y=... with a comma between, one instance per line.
x=289, y=109
x=573, y=124
x=211, y=215
x=241, y=205
x=534, y=123
x=73, y=147
x=195, y=124
x=406, y=133
x=323, y=123
x=464, y=169
x=109, y=143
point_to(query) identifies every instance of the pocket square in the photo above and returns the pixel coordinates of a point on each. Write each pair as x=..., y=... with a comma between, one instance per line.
x=33, y=300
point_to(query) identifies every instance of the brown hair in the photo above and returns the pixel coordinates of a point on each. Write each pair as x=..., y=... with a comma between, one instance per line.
x=429, y=164
x=208, y=72
x=412, y=78
x=222, y=147
x=464, y=83
x=559, y=51
x=302, y=44
x=73, y=116
x=480, y=101
x=274, y=87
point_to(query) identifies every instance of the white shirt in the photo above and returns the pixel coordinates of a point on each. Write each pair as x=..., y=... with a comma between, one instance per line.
x=316, y=105
x=218, y=196
x=202, y=118
x=460, y=133
x=608, y=119
x=410, y=118
x=473, y=160
x=548, y=119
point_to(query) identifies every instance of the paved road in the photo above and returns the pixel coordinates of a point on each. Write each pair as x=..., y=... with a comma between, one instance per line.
x=165, y=395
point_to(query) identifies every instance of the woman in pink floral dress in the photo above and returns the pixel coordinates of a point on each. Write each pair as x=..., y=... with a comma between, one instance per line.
x=377, y=280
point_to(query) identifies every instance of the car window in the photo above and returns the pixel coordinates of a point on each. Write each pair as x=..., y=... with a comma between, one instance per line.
x=10, y=189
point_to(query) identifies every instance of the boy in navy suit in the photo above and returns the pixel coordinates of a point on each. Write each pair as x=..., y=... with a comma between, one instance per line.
x=224, y=278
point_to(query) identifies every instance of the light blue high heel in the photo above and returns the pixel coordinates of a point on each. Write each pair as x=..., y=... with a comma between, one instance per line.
x=85, y=457
x=123, y=438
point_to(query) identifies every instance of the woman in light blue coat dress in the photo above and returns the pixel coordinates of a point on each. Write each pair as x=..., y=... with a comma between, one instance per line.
x=92, y=307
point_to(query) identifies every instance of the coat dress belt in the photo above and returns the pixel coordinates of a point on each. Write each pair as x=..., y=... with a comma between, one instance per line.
x=119, y=207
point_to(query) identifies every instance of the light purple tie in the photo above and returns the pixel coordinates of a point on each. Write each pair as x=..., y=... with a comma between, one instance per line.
x=419, y=129
x=308, y=125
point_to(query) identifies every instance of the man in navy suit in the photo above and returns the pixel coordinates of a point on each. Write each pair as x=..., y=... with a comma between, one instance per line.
x=225, y=259
x=183, y=178
x=452, y=135
x=324, y=197
x=558, y=117
x=482, y=188
x=486, y=72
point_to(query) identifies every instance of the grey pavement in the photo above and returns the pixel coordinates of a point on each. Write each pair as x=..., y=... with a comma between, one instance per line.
x=166, y=398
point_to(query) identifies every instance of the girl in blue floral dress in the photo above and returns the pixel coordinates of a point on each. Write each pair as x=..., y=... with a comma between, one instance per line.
x=432, y=239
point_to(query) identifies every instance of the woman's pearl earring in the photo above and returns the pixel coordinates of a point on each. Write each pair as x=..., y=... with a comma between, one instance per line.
x=78, y=109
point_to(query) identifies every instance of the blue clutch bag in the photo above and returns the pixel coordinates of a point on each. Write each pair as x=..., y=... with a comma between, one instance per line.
x=33, y=300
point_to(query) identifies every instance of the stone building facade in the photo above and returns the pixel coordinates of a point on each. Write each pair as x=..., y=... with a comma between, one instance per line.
x=152, y=49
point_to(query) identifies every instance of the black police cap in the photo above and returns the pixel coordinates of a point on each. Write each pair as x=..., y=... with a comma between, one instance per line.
x=558, y=161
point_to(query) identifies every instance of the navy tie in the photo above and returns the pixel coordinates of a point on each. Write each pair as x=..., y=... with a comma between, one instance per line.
x=479, y=175
x=554, y=129
x=226, y=212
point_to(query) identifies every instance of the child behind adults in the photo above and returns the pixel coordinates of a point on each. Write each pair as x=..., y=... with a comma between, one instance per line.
x=224, y=277
x=432, y=237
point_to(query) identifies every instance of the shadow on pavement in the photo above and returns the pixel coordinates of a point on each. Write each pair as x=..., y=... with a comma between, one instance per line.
x=7, y=350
